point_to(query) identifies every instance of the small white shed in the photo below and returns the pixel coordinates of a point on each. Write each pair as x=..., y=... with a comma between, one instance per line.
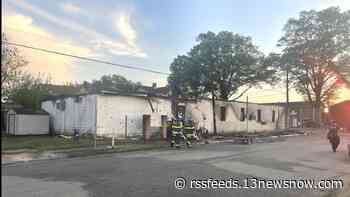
x=27, y=122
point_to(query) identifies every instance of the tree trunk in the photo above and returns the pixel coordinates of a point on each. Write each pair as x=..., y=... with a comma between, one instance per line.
x=318, y=104
x=286, y=117
x=317, y=114
x=214, y=114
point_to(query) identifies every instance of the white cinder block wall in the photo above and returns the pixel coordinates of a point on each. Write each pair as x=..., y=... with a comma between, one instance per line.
x=201, y=112
x=113, y=111
x=122, y=115
x=79, y=114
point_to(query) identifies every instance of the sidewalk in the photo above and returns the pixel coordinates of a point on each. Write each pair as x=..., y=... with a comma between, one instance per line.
x=26, y=155
x=258, y=139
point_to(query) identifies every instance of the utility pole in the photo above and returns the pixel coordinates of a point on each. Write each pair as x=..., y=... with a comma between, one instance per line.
x=214, y=114
x=246, y=106
x=287, y=99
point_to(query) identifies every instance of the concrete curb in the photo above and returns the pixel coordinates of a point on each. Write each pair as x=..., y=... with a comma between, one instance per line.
x=76, y=153
x=9, y=163
x=19, y=151
x=257, y=139
x=83, y=152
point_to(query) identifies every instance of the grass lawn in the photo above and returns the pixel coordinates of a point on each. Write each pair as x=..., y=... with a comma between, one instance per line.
x=44, y=143
x=41, y=143
x=124, y=147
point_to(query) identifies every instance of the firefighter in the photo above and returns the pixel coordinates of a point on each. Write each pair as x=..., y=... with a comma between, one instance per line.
x=333, y=136
x=177, y=134
x=183, y=136
x=168, y=131
x=176, y=128
x=189, y=131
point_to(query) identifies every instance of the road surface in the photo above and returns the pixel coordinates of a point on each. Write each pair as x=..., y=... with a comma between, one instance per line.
x=152, y=173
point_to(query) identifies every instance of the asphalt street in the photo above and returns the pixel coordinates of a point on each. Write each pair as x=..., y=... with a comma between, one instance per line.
x=152, y=173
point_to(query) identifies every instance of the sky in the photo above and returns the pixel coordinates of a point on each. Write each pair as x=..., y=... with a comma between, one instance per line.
x=147, y=34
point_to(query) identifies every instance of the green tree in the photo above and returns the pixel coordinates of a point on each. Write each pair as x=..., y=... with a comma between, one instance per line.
x=29, y=91
x=218, y=66
x=343, y=68
x=11, y=64
x=111, y=83
x=316, y=50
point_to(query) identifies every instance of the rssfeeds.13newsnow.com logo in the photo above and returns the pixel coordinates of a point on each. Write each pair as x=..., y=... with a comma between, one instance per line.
x=180, y=183
x=255, y=183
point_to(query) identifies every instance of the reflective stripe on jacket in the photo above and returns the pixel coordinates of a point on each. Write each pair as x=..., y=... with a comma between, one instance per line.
x=176, y=127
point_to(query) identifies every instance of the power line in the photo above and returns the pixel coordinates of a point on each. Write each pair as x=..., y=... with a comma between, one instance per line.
x=84, y=58
x=262, y=93
x=264, y=96
x=267, y=96
x=124, y=66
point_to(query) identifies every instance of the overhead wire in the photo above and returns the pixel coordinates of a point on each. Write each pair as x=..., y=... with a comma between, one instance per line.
x=128, y=66
x=84, y=58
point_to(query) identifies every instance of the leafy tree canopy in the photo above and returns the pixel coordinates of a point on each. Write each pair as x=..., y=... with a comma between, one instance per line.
x=111, y=83
x=219, y=64
x=316, y=52
x=11, y=64
x=29, y=91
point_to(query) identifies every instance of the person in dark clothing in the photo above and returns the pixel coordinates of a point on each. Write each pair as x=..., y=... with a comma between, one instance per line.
x=190, y=131
x=168, y=132
x=177, y=134
x=176, y=131
x=333, y=136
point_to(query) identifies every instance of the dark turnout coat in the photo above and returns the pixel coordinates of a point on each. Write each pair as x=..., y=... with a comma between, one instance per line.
x=333, y=137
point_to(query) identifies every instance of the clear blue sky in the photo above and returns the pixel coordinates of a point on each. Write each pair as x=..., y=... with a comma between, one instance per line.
x=142, y=33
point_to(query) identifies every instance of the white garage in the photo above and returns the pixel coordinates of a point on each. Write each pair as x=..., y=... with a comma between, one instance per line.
x=27, y=122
